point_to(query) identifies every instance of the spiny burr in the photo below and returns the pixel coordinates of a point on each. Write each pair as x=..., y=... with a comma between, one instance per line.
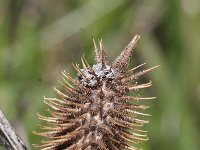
x=95, y=111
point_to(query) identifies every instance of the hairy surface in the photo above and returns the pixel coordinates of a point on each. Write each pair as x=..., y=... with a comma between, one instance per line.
x=94, y=110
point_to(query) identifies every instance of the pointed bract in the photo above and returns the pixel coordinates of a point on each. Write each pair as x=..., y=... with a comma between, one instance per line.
x=103, y=55
x=121, y=63
x=97, y=55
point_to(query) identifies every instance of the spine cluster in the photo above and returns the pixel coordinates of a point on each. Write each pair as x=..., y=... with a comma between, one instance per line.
x=94, y=110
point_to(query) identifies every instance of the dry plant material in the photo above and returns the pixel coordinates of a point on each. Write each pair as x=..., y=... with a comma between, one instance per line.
x=94, y=111
x=9, y=139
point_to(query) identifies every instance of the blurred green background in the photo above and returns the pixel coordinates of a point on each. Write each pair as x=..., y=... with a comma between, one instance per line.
x=40, y=38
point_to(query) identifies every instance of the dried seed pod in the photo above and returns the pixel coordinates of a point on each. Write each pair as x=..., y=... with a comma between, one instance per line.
x=94, y=111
